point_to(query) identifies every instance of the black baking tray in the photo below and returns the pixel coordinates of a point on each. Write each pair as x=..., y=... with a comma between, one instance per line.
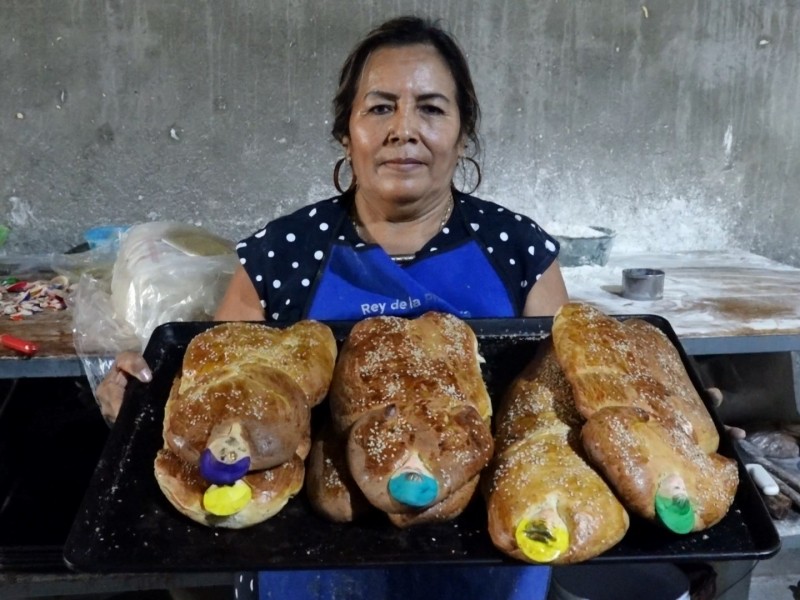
x=126, y=524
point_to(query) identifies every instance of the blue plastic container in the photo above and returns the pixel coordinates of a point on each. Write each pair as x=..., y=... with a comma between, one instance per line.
x=105, y=234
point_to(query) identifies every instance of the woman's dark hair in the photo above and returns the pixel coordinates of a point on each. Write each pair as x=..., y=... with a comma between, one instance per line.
x=407, y=31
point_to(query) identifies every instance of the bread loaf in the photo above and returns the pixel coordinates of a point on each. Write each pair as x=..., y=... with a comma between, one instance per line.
x=646, y=429
x=409, y=404
x=238, y=418
x=646, y=460
x=265, y=379
x=329, y=486
x=545, y=503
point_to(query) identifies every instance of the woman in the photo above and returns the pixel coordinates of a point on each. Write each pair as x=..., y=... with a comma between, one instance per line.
x=400, y=240
x=405, y=114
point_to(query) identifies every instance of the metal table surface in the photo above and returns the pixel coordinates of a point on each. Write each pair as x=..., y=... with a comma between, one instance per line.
x=717, y=302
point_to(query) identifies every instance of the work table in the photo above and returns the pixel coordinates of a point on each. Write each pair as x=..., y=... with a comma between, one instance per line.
x=717, y=303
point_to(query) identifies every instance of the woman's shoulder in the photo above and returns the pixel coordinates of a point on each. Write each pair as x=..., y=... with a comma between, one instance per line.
x=493, y=216
x=321, y=216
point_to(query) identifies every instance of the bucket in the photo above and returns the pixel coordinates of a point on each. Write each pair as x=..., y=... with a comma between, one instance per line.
x=654, y=581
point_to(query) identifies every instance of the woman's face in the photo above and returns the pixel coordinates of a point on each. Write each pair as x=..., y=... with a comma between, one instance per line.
x=404, y=137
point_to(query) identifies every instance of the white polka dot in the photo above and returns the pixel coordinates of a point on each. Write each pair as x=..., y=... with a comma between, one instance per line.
x=313, y=212
x=537, y=277
x=474, y=226
x=241, y=578
x=323, y=227
x=318, y=255
x=518, y=218
x=511, y=261
x=446, y=230
x=305, y=283
x=434, y=249
x=241, y=245
x=531, y=250
x=295, y=264
x=271, y=254
x=251, y=584
x=523, y=284
x=290, y=237
x=242, y=260
x=504, y=236
x=480, y=210
x=261, y=233
x=276, y=284
x=341, y=237
x=490, y=249
x=550, y=246
x=500, y=209
x=236, y=593
x=359, y=244
x=288, y=301
x=275, y=318
x=259, y=278
x=263, y=304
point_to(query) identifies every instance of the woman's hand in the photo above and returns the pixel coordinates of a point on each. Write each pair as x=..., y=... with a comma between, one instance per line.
x=111, y=390
x=735, y=433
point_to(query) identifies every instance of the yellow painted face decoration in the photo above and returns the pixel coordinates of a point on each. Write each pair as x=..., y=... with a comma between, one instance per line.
x=405, y=128
x=541, y=541
x=226, y=500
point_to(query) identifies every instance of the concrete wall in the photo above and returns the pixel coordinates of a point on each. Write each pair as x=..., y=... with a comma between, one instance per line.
x=674, y=122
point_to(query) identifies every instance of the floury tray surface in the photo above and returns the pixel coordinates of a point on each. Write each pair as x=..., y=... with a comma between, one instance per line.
x=125, y=524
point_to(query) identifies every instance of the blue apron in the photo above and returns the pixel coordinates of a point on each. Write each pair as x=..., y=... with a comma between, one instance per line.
x=356, y=283
x=442, y=582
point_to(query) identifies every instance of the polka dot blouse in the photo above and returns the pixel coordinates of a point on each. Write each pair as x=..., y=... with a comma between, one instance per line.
x=286, y=257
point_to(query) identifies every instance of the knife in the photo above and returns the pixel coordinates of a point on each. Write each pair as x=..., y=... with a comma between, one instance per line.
x=22, y=346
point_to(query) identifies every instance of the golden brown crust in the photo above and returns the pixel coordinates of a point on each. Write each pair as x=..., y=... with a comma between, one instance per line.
x=262, y=378
x=644, y=419
x=412, y=387
x=538, y=462
x=450, y=438
x=389, y=360
x=637, y=452
x=607, y=366
x=329, y=486
x=664, y=363
x=183, y=486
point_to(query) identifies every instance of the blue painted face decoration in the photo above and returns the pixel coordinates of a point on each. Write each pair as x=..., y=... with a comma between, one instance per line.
x=413, y=489
x=220, y=473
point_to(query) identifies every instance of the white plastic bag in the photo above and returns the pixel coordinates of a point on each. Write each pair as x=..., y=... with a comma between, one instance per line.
x=164, y=272
x=169, y=272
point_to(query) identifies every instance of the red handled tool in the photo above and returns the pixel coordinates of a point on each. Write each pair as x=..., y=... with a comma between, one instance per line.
x=23, y=346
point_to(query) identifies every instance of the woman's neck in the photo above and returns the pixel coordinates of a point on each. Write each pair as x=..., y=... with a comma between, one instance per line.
x=400, y=229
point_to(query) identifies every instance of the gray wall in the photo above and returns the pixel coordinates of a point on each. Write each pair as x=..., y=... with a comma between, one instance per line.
x=674, y=122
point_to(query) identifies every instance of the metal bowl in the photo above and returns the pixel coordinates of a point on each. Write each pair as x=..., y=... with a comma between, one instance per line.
x=642, y=284
x=588, y=250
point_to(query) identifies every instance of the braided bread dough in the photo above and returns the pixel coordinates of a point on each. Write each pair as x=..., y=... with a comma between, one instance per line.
x=407, y=397
x=256, y=383
x=646, y=429
x=545, y=502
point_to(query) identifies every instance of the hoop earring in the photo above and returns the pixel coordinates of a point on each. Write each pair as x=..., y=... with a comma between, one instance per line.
x=337, y=167
x=464, y=177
